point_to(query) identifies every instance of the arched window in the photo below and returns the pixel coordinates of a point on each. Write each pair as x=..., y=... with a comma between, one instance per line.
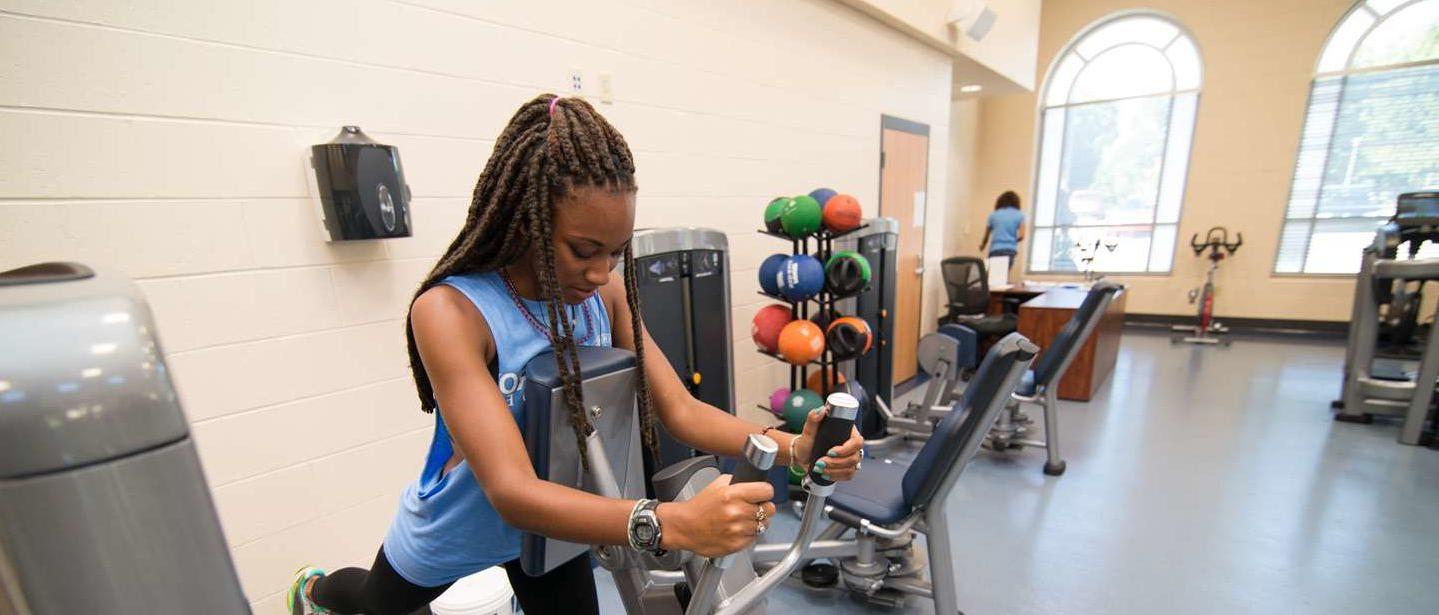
x=1117, y=117
x=1371, y=133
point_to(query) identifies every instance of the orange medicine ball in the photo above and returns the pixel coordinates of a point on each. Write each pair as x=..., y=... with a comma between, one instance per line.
x=842, y=213
x=849, y=337
x=800, y=342
x=835, y=380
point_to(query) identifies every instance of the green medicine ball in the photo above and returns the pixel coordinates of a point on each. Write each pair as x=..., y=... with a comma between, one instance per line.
x=847, y=273
x=772, y=214
x=797, y=407
x=801, y=217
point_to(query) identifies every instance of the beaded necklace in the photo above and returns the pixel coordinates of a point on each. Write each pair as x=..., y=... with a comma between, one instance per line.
x=540, y=327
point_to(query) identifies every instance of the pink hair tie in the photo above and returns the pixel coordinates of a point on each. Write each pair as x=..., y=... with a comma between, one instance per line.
x=553, y=102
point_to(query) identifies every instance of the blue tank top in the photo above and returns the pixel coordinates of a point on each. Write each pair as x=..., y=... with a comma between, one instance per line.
x=445, y=528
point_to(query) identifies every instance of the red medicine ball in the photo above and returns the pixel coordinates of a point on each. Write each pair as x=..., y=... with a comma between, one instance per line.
x=767, y=325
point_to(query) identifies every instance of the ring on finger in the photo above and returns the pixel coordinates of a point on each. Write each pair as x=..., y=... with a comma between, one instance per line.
x=759, y=515
x=760, y=528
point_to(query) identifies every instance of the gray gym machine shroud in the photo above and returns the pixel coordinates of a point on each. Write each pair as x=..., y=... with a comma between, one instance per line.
x=103, y=505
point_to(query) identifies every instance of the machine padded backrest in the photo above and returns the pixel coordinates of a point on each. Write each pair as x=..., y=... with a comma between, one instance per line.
x=967, y=353
x=966, y=284
x=607, y=381
x=1071, y=338
x=959, y=433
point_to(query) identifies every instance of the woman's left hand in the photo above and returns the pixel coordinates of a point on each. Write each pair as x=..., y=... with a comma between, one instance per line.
x=838, y=463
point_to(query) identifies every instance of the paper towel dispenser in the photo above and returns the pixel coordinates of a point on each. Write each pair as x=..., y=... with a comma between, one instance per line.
x=362, y=189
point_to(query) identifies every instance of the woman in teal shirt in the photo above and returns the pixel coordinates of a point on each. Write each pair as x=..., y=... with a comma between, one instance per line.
x=1005, y=227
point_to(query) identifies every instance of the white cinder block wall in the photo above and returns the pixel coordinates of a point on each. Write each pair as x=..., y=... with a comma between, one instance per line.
x=166, y=139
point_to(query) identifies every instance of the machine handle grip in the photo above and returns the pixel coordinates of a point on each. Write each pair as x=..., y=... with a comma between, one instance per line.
x=758, y=457
x=834, y=430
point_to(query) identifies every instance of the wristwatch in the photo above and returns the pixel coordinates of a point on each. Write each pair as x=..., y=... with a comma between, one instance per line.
x=645, y=532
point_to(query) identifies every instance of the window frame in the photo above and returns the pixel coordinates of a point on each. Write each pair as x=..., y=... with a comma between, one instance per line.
x=1343, y=74
x=1041, y=106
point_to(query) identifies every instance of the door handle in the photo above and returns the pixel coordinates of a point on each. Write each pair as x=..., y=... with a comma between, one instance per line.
x=919, y=270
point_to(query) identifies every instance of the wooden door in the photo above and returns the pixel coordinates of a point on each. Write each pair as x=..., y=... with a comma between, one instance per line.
x=904, y=171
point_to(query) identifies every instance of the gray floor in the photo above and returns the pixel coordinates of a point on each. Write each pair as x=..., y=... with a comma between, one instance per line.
x=1201, y=480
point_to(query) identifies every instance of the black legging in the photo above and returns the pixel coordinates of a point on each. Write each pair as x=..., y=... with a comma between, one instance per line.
x=382, y=591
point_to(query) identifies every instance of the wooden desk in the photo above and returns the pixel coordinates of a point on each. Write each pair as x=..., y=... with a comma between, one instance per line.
x=1018, y=291
x=1042, y=318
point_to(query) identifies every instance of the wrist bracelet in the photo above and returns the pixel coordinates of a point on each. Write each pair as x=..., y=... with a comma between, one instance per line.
x=794, y=460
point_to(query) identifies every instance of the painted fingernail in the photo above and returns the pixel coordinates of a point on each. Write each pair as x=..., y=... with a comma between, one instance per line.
x=825, y=475
x=834, y=452
x=819, y=464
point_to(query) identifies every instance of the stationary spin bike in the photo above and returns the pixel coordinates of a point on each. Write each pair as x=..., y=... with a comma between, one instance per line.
x=1208, y=330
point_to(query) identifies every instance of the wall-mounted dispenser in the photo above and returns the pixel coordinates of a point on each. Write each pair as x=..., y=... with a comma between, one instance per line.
x=361, y=186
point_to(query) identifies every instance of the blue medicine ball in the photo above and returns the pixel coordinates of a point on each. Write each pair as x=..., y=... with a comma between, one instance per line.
x=769, y=272
x=821, y=195
x=801, y=277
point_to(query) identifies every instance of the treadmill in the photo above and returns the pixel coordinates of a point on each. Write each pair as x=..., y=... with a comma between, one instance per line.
x=1386, y=385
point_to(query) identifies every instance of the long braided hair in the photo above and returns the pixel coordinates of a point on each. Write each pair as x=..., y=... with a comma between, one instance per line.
x=550, y=147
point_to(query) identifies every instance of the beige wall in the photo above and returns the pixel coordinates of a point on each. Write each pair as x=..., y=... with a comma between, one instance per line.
x=1258, y=59
x=166, y=140
x=1003, y=61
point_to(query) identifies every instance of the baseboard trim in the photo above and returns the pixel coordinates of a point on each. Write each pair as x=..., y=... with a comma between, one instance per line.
x=1316, y=329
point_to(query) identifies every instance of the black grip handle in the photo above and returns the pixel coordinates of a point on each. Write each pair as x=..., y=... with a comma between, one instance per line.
x=833, y=431
x=755, y=461
x=745, y=472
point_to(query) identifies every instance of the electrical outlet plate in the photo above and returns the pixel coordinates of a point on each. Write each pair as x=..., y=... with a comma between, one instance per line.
x=607, y=88
x=576, y=82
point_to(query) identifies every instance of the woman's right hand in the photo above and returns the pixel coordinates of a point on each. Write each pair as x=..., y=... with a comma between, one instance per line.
x=719, y=520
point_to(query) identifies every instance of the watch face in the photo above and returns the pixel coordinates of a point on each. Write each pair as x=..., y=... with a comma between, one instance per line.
x=645, y=532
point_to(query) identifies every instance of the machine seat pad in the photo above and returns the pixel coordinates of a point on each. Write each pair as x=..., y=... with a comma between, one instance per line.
x=994, y=325
x=874, y=493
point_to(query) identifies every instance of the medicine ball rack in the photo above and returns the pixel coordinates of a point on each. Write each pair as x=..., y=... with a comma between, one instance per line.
x=827, y=364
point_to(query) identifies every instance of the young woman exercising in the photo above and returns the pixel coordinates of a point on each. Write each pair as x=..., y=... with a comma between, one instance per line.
x=552, y=214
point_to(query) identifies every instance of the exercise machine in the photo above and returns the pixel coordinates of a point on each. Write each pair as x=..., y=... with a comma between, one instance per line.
x=1040, y=386
x=103, y=504
x=1208, y=330
x=946, y=353
x=945, y=357
x=1393, y=385
x=685, y=583
x=611, y=467
x=683, y=282
x=888, y=503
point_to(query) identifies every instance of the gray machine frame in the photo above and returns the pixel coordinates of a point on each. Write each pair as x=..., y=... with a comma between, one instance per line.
x=874, y=371
x=1363, y=393
x=104, y=506
x=654, y=241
